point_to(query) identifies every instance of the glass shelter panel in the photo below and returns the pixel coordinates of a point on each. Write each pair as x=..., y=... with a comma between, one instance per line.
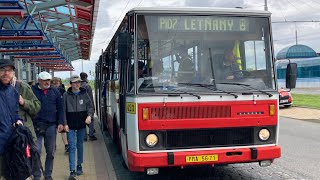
x=203, y=54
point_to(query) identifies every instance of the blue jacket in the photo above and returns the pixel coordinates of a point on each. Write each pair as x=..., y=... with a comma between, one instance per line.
x=51, y=111
x=9, y=106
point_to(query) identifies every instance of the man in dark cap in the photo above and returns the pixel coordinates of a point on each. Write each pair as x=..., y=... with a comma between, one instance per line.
x=84, y=84
x=9, y=99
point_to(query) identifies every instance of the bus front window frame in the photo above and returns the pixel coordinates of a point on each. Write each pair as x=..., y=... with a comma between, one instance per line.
x=196, y=47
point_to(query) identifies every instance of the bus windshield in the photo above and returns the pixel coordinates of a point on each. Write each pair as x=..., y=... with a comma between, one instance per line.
x=192, y=53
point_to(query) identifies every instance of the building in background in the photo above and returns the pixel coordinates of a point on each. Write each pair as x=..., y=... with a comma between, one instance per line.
x=308, y=65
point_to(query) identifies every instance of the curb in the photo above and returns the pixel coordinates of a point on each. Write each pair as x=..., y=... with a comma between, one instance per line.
x=309, y=120
x=306, y=107
x=110, y=169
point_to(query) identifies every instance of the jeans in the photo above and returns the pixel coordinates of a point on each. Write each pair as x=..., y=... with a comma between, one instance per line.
x=75, y=137
x=49, y=144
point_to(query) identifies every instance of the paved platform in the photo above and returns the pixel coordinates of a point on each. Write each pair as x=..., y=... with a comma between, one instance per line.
x=96, y=166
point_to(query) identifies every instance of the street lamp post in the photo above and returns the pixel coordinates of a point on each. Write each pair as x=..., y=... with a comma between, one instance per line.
x=266, y=5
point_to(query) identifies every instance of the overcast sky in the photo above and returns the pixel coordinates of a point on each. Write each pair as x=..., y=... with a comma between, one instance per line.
x=111, y=13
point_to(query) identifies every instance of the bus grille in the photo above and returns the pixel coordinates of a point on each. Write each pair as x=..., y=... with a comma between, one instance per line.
x=190, y=112
x=209, y=138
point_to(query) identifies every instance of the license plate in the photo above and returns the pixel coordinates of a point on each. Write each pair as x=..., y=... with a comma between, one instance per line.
x=202, y=158
x=284, y=101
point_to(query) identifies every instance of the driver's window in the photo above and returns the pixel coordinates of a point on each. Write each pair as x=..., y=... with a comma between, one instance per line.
x=255, y=55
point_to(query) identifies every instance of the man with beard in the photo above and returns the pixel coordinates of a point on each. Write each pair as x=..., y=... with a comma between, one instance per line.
x=49, y=117
x=9, y=99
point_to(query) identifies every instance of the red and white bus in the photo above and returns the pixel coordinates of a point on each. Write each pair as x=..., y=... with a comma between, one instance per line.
x=191, y=86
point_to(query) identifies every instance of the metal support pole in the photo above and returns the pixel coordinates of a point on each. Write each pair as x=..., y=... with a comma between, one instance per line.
x=34, y=72
x=28, y=71
x=39, y=70
x=18, y=69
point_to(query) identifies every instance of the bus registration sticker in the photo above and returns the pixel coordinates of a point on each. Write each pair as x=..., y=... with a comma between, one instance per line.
x=202, y=158
x=131, y=107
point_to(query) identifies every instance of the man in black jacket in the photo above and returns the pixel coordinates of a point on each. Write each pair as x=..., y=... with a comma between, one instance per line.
x=9, y=99
x=50, y=116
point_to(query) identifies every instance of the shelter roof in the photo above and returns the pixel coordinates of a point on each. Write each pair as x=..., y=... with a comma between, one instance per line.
x=66, y=25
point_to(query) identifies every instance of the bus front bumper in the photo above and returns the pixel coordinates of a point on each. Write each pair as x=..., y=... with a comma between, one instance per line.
x=140, y=161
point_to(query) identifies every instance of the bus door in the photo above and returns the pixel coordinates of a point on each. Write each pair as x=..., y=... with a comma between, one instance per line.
x=105, y=78
x=124, y=56
x=124, y=69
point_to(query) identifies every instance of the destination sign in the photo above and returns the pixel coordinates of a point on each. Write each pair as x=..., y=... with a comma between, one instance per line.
x=205, y=24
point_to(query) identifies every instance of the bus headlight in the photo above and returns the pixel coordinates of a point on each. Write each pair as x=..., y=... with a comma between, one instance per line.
x=264, y=134
x=151, y=140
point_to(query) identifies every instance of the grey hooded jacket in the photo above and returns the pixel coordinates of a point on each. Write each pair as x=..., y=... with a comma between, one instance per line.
x=77, y=107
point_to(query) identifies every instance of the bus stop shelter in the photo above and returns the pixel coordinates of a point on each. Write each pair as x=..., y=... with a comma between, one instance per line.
x=46, y=35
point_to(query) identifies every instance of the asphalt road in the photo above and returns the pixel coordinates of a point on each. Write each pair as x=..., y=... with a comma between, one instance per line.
x=300, y=141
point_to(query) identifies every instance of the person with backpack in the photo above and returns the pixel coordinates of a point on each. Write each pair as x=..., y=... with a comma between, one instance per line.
x=29, y=105
x=49, y=119
x=84, y=84
x=78, y=112
x=9, y=116
x=22, y=156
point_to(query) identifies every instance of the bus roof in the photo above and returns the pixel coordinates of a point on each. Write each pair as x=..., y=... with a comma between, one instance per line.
x=199, y=11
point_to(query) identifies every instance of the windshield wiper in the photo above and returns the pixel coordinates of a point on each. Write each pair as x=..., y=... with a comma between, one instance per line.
x=171, y=89
x=214, y=88
x=176, y=90
x=249, y=87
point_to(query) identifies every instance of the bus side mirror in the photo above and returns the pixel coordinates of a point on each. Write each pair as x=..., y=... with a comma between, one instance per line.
x=291, y=75
x=124, y=46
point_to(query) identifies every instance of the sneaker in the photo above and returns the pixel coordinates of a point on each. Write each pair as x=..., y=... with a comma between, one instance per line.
x=66, y=148
x=79, y=170
x=93, y=138
x=72, y=175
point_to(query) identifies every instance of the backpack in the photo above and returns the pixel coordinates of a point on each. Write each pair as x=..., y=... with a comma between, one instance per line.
x=21, y=154
x=18, y=86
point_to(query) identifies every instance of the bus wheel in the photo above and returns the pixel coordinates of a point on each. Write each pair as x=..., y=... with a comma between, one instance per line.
x=116, y=136
x=103, y=121
x=124, y=163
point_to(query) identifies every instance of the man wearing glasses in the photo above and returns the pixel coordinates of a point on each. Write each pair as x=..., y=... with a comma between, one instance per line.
x=9, y=99
x=45, y=123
